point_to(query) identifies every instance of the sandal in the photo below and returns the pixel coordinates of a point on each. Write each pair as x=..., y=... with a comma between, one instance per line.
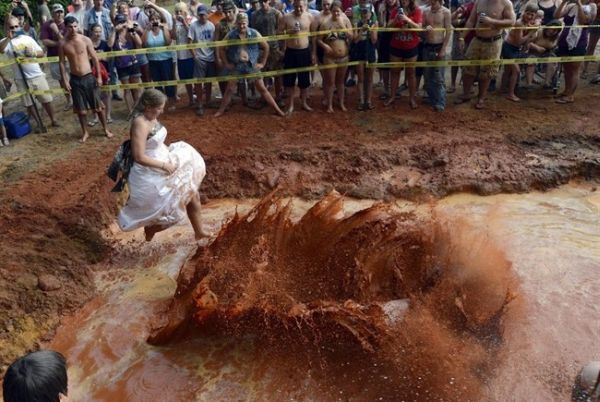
x=564, y=100
x=92, y=123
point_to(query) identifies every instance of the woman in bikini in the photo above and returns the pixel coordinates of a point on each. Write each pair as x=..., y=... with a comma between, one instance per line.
x=573, y=41
x=336, y=49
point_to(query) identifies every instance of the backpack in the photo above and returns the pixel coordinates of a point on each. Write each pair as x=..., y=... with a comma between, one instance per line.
x=121, y=163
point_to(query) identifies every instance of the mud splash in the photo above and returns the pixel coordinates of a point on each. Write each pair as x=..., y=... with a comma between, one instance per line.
x=382, y=304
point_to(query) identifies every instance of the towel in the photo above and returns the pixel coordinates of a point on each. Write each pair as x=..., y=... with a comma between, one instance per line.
x=575, y=31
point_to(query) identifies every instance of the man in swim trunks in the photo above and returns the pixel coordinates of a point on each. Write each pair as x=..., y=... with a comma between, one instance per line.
x=494, y=15
x=297, y=52
x=512, y=48
x=244, y=59
x=83, y=86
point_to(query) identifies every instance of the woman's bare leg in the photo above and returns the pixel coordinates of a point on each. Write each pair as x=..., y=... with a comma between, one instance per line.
x=193, y=210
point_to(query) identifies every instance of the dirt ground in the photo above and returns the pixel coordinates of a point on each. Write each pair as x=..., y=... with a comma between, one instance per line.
x=55, y=199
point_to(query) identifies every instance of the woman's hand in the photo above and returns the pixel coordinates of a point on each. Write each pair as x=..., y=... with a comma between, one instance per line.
x=168, y=167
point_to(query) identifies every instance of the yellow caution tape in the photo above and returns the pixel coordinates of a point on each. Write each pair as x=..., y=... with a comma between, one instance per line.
x=438, y=63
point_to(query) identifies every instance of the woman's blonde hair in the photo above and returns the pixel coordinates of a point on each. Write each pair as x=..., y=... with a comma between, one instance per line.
x=150, y=98
x=181, y=6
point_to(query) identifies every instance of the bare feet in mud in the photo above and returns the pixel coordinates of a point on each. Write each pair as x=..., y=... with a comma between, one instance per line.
x=306, y=107
x=329, y=110
x=108, y=134
x=85, y=137
x=413, y=104
x=479, y=105
x=389, y=101
x=513, y=98
x=343, y=107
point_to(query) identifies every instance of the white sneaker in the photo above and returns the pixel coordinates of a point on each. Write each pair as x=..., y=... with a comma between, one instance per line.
x=5, y=141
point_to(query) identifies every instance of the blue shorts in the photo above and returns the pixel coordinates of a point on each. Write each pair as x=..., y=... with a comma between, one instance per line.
x=185, y=68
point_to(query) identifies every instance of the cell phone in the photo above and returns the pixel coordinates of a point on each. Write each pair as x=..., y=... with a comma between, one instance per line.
x=400, y=11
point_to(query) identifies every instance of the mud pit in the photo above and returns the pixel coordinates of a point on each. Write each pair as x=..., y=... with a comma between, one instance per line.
x=383, y=304
x=55, y=207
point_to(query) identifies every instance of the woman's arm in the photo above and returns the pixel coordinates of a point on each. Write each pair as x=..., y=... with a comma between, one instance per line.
x=167, y=33
x=139, y=136
x=562, y=9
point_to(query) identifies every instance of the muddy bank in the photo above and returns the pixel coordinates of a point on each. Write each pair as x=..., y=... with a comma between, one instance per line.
x=50, y=223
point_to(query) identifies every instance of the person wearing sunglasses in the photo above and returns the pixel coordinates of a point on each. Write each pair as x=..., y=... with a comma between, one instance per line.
x=17, y=44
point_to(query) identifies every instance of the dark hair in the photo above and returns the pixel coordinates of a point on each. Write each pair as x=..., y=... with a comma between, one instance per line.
x=70, y=20
x=36, y=377
x=94, y=26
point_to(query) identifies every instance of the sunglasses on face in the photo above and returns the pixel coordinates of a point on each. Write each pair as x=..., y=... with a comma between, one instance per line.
x=13, y=27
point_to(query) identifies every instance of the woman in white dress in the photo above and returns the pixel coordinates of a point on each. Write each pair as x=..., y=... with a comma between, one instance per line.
x=163, y=180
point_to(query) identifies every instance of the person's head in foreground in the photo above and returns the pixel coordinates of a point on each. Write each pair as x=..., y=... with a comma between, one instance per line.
x=587, y=384
x=36, y=377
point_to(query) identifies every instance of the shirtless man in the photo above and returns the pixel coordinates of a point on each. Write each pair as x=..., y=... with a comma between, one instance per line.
x=297, y=52
x=436, y=42
x=511, y=48
x=486, y=45
x=83, y=86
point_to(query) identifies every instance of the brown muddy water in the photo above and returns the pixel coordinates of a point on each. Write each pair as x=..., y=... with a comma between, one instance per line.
x=472, y=298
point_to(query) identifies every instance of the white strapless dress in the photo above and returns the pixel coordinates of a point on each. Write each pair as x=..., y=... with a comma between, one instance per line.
x=155, y=197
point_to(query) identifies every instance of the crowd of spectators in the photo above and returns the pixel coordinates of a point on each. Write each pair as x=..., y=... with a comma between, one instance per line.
x=489, y=29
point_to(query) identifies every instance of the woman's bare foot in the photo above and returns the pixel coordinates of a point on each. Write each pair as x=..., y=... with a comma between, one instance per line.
x=219, y=113
x=306, y=107
x=479, y=105
x=413, y=103
x=203, y=233
x=83, y=139
x=108, y=134
x=343, y=107
x=513, y=98
x=389, y=101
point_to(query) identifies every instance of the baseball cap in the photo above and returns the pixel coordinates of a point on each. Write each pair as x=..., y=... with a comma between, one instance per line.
x=202, y=9
x=57, y=7
x=228, y=5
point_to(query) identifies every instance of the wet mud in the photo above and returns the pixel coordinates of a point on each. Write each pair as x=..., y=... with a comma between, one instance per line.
x=381, y=304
